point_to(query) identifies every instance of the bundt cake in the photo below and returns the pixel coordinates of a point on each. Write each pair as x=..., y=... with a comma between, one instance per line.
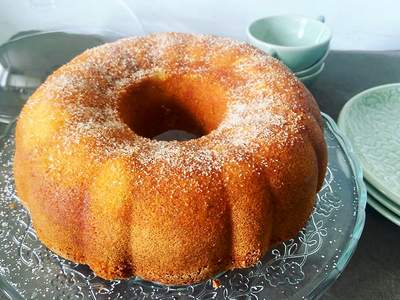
x=103, y=192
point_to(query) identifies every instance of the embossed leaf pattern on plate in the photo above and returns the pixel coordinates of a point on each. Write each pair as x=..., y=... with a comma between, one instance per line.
x=301, y=268
x=371, y=121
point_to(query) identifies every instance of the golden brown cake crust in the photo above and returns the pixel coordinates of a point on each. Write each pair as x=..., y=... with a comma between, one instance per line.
x=101, y=192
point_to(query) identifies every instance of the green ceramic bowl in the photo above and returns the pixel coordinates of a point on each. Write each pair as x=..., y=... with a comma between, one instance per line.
x=309, y=79
x=299, y=42
x=314, y=68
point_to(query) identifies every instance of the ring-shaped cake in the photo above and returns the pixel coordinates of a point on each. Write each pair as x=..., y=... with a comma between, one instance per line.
x=101, y=191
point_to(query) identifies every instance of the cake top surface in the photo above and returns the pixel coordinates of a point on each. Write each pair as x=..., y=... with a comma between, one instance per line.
x=267, y=106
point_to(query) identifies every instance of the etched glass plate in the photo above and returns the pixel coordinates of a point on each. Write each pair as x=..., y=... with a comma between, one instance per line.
x=301, y=268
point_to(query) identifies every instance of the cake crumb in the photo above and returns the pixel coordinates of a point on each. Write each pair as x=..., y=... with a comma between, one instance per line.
x=216, y=283
x=12, y=205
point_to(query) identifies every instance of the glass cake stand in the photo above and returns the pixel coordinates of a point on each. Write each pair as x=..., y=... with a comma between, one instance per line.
x=301, y=268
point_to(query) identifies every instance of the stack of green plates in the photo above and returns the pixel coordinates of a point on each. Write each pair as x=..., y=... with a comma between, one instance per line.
x=371, y=121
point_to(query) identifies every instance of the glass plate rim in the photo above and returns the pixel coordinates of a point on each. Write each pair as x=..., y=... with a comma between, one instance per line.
x=351, y=246
x=325, y=282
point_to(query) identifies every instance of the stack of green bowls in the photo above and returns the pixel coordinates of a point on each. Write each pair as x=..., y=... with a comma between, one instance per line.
x=301, y=43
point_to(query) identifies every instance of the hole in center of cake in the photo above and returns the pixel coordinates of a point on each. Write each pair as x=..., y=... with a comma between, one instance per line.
x=173, y=109
x=176, y=135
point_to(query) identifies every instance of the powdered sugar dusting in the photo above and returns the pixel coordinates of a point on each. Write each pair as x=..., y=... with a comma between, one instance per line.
x=88, y=89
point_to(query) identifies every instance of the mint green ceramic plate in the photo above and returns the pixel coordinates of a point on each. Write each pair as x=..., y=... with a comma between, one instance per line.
x=371, y=121
x=383, y=210
x=382, y=199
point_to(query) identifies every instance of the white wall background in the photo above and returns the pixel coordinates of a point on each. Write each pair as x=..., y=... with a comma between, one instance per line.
x=367, y=25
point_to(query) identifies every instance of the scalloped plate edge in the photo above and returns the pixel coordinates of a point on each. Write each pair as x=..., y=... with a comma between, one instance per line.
x=360, y=222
